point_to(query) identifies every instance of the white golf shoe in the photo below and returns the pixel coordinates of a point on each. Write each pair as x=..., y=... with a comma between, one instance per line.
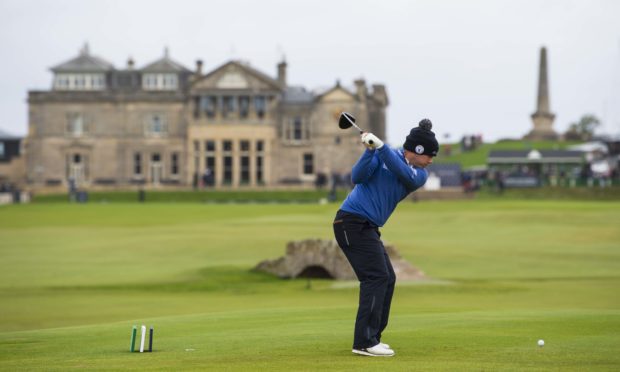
x=385, y=346
x=376, y=350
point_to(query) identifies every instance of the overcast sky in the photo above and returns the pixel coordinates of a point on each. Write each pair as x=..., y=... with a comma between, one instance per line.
x=470, y=66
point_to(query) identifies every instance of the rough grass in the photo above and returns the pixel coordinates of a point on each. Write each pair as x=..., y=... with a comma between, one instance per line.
x=75, y=278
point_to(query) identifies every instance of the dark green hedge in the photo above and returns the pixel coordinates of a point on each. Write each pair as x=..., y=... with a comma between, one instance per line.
x=309, y=196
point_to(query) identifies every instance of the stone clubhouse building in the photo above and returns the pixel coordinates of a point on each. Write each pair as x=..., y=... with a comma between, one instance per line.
x=166, y=125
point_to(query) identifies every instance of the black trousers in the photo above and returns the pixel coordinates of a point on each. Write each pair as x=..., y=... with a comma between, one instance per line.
x=360, y=241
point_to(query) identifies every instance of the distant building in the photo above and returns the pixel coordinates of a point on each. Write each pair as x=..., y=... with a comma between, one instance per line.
x=164, y=125
x=542, y=118
x=9, y=147
x=11, y=162
x=449, y=174
x=533, y=168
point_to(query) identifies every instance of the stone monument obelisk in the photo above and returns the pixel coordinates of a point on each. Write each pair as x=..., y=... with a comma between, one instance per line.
x=542, y=118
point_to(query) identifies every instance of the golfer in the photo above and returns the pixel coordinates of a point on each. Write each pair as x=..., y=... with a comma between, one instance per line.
x=383, y=177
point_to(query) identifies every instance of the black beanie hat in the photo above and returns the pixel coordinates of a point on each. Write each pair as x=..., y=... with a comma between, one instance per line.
x=421, y=139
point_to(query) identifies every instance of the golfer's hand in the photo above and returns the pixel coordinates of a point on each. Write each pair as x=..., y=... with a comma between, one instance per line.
x=371, y=141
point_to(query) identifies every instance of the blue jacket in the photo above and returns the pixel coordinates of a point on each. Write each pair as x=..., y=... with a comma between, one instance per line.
x=382, y=179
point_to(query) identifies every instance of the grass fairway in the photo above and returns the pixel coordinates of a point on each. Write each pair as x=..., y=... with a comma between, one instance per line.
x=75, y=278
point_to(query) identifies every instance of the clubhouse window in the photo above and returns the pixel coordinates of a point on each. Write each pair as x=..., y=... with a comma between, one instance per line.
x=260, y=106
x=137, y=164
x=228, y=105
x=244, y=106
x=210, y=146
x=75, y=124
x=259, y=169
x=245, y=170
x=208, y=105
x=159, y=81
x=156, y=125
x=260, y=149
x=297, y=129
x=210, y=164
x=227, y=147
x=79, y=82
x=228, y=169
x=174, y=164
x=308, y=164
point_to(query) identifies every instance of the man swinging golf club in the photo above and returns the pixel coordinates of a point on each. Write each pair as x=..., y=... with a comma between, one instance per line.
x=383, y=177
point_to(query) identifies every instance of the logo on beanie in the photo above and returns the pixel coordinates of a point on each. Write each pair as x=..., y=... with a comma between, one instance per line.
x=419, y=149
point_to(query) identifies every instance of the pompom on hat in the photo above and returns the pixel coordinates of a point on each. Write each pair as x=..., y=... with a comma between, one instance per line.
x=421, y=140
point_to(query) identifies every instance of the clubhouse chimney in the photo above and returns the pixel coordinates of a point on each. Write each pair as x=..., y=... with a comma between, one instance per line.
x=199, y=67
x=361, y=91
x=282, y=73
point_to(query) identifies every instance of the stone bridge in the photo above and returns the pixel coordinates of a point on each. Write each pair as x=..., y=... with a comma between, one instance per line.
x=315, y=258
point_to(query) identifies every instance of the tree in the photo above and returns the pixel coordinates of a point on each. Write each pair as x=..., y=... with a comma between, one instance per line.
x=583, y=129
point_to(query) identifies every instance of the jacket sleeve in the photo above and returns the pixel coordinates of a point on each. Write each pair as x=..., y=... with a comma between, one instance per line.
x=412, y=178
x=365, y=167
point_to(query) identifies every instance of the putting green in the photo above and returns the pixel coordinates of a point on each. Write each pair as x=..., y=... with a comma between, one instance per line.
x=75, y=278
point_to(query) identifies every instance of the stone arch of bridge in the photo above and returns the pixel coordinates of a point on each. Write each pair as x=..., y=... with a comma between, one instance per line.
x=315, y=271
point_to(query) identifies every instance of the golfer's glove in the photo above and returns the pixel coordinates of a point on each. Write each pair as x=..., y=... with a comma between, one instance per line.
x=367, y=138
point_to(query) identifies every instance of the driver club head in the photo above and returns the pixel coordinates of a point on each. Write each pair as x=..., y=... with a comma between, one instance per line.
x=346, y=120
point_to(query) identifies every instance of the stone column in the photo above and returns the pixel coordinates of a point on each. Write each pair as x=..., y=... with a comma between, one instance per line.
x=282, y=73
x=543, y=86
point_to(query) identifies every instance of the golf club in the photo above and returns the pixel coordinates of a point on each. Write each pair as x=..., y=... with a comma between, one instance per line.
x=347, y=120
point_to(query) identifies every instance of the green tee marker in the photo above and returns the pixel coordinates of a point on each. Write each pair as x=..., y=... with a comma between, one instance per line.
x=134, y=330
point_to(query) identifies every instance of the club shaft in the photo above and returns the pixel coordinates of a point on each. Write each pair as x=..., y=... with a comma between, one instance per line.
x=358, y=128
